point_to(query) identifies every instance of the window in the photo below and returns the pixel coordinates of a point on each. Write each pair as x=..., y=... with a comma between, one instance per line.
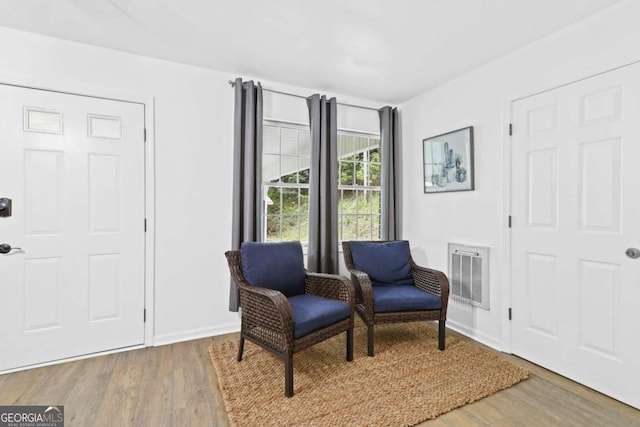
x=285, y=172
x=358, y=186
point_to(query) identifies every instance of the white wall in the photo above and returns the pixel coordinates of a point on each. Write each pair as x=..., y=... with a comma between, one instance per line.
x=193, y=137
x=482, y=98
x=193, y=148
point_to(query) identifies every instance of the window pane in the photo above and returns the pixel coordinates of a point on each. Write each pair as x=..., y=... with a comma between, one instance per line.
x=303, y=169
x=360, y=173
x=374, y=150
x=361, y=144
x=303, y=176
x=375, y=201
x=290, y=227
x=345, y=147
x=304, y=201
x=346, y=173
x=104, y=126
x=289, y=170
x=364, y=202
x=289, y=141
x=349, y=227
x=270, y=167
x=273, y=228
x=364, y=227
x=375, y=226
x=271, y=140
x=374, y=174
x=304, y=143
x=273, y=201
x=290, y=201
x=304, y=229
x=46, y=121
x=348, y=201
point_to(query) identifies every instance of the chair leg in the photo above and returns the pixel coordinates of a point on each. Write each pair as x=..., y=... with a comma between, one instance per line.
x=441, y=334
x=240, y=349
x=288, y=375
x=370, y=340
x=350, y=345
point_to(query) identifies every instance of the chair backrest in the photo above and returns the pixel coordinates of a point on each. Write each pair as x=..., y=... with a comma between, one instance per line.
x=274, y=265
x=386, y=263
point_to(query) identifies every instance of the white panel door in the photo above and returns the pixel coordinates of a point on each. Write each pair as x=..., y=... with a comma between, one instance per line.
x=74, y=169
x=576, y=210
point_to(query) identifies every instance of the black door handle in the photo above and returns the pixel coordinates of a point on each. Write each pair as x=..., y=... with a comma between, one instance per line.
x=5, y=207
x=5, y=248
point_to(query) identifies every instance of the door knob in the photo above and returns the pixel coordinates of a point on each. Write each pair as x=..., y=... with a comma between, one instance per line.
x=633, y=253
x=6, y=248
x=5, y=207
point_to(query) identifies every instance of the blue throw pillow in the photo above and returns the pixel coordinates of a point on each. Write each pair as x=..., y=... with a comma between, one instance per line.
x=274, y=265
x=385, y=263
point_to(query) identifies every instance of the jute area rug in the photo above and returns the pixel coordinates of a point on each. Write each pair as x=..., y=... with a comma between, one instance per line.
x=407, y=382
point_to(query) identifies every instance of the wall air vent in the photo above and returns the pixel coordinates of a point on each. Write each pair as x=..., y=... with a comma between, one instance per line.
x=469, y=275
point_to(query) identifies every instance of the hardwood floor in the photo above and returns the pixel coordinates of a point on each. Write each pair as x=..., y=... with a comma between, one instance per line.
x=176, y=385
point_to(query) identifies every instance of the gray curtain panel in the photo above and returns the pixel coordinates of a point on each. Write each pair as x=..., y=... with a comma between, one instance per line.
x=390, y=145
x=322, y=256
x=247, y=171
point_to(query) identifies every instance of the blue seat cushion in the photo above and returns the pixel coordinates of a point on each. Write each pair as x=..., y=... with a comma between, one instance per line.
x=403, y=298
x=311, y=313
x=274, y=265
x=385, y=263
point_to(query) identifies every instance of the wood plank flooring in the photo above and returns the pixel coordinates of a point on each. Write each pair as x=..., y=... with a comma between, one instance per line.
x=176, y=385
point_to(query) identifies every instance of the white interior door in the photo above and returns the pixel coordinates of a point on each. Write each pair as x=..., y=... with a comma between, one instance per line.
x=576, y=210
x=73, y=167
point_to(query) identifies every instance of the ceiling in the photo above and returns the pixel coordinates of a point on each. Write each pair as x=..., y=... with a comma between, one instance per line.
x=387, y=51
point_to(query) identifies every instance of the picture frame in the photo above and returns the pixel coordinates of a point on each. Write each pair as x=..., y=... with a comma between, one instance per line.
x=448, y=161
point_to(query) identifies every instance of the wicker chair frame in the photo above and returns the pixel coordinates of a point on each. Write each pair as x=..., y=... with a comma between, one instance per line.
x=429, y=280
x=267, y=319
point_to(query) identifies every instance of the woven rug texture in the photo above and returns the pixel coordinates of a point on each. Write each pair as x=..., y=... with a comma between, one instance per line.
x=407, y=382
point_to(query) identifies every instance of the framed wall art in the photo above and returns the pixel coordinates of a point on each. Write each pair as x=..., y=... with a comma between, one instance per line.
x=448, y=161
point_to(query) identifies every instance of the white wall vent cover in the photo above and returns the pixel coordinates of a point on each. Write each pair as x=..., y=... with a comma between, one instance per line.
x=469, y=275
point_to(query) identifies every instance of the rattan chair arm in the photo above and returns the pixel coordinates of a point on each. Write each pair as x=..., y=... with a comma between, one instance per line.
x=265, y=307
x=330, y=286
x=432, y=281
x=272, y=305
x=267, y=316
x=361, y=281
x=364, y=289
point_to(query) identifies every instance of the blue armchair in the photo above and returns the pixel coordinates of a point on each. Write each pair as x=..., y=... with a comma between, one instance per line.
x=391, y=288
x=285, y=308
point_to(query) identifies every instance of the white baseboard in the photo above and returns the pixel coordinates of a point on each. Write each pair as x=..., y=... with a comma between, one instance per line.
x=195, y=334
x=475, y=335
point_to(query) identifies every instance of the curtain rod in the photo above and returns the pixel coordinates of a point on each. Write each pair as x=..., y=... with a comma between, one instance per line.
x=232, y=83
